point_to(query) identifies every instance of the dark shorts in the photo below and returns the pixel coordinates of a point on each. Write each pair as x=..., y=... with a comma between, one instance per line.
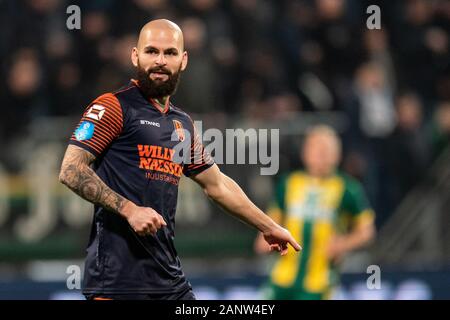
x=183, y=295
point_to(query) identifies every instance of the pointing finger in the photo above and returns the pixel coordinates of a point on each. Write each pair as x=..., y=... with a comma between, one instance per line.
x=294, y=244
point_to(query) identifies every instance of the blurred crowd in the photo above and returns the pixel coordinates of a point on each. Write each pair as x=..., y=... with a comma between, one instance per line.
x=256, y=59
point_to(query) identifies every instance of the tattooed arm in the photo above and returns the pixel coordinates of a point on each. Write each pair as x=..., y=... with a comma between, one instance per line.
x=77, y=174
x=80, y=178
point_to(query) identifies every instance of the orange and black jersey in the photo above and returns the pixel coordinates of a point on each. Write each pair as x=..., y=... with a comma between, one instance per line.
x=142, y=149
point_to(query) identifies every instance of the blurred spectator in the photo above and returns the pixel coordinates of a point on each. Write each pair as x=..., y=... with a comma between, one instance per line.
x=337, y=34
x=440, y=139
x=65, y=83
x=407, y=147
x=377, y=51
x=371, y=112
x=376, y=114
x=419, y=38
x=23, y=99
x=117, y=52
x=196, y=91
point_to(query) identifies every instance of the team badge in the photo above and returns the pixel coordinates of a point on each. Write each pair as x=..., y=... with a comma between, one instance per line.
x=179, y=129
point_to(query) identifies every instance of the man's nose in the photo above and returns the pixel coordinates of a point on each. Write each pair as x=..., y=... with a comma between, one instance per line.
x=161, y=60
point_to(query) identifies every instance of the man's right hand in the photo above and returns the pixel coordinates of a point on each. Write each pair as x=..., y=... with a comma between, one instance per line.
x=143, y=220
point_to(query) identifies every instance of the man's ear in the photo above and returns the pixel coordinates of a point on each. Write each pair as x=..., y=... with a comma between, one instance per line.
x=184, y=61
x=134, y=57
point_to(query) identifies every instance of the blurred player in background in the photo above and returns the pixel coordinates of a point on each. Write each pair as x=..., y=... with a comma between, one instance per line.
x=326, y=211
x=128, y=136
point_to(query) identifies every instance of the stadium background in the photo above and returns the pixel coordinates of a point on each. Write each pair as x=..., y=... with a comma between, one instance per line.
x=252, y=64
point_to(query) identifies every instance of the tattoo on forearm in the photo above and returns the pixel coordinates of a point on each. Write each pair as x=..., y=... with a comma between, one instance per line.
x=80, y=178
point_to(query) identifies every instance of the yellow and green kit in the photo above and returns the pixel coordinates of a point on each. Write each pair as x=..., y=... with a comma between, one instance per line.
x=313, y=210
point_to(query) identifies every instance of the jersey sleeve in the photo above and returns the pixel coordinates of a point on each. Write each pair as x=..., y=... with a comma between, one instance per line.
x=355, y=203
x=100, y=124
x=200, y=159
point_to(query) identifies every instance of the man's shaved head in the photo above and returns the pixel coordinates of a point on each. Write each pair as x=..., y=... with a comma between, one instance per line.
x=159, y=57
x=160, y=28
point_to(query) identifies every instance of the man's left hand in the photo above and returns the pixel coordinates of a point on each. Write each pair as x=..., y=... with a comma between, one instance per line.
x=278, y=239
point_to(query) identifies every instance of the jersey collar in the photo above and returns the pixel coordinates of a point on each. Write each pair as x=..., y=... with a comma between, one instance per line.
x=160, y=107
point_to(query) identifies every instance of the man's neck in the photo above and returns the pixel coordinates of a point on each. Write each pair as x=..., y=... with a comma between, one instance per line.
x=162, y=101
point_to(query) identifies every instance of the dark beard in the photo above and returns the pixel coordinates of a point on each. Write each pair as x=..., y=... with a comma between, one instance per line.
x=153, y=89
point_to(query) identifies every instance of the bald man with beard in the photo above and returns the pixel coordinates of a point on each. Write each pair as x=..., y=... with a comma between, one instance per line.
x=121, y=158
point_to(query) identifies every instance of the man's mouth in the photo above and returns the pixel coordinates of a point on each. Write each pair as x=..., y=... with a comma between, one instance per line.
x=159, y=75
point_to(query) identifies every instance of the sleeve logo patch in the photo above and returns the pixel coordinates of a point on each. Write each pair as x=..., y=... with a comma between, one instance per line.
x=96, y=112
x=85, y=131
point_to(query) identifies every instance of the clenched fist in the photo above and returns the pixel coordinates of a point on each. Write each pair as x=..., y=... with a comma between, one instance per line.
x=143, y=220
